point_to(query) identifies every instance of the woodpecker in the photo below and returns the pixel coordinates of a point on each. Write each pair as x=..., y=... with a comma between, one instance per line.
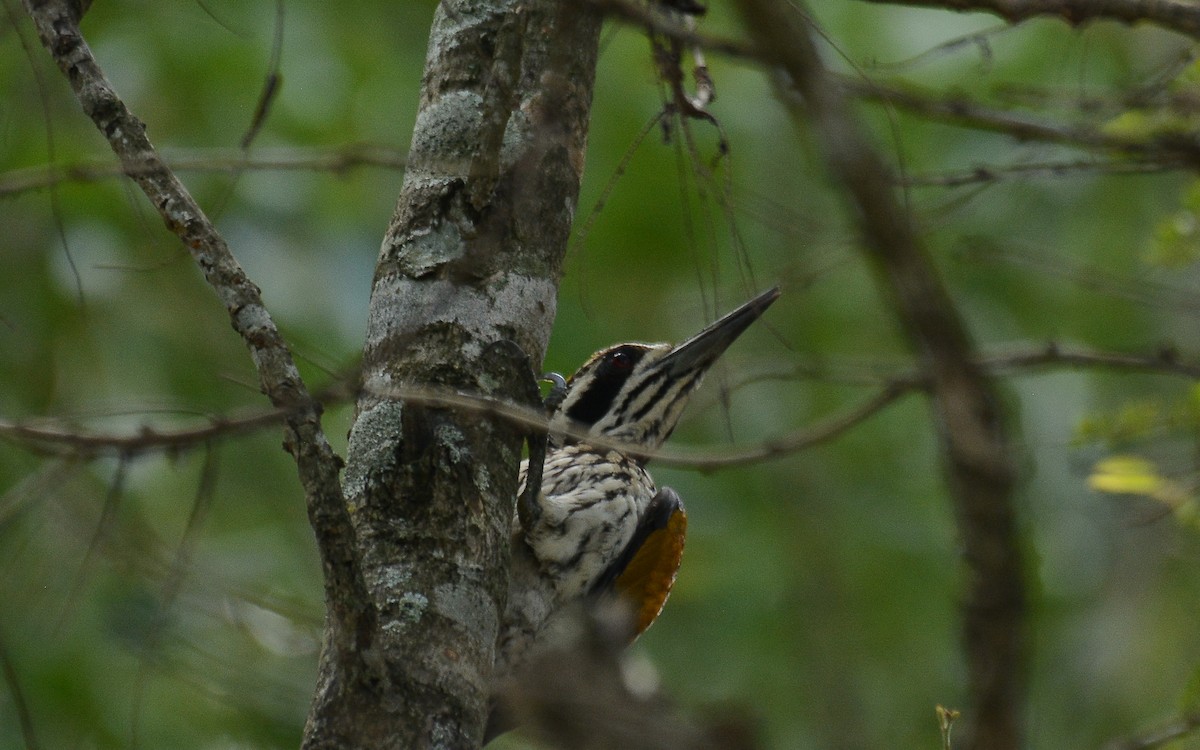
x=600, y=526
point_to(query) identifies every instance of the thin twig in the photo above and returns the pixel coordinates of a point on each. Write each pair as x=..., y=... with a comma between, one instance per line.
x=337, y=160
x=61, y=439
x=104, y=527
x=145, y=440
x=987, y=173
x=963, y=111
x=171, y=586
x=20, y=703
x=57, y=23
x=660, y=23
x=1182, y=16
x=51, y=148
x=889, y=382
x=1159, y=737
x=1164, y=361
x=979, y=467
x=535, y=420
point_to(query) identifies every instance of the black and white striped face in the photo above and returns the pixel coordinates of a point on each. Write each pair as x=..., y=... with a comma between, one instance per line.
x=635, y=393
x=626, y=393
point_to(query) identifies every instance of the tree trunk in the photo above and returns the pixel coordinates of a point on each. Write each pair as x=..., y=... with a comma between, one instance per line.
x=463, y=298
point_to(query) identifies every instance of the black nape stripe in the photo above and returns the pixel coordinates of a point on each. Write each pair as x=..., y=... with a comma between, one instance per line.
x=602, y=390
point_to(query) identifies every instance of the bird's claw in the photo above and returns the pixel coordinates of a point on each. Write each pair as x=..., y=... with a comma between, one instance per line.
x=558, y=390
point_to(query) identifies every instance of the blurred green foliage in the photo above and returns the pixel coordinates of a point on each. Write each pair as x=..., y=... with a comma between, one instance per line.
x=818, y=596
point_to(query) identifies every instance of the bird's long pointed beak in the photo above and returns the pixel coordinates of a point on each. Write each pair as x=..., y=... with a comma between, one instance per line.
x=705, y=347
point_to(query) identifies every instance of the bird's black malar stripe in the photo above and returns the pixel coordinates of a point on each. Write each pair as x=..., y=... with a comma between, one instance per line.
x=685, y=387
x=603, y=389
x=653, y=378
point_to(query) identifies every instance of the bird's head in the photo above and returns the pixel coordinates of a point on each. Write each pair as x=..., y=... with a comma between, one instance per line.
x=635, y=393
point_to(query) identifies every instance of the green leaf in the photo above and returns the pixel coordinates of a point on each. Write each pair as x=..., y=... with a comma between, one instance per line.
x=1126, y=475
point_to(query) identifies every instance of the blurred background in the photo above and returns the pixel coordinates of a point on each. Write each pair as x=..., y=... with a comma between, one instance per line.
x=172, y=598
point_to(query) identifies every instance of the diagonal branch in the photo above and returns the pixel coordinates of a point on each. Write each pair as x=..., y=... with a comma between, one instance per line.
x=1159, y=737
x=20, y=703
x=57, y=23
x=978, y=465
x=1182, y=16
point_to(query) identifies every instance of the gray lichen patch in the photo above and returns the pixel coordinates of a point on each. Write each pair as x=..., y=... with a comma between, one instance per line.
x=453, y=442
x=446, y=127
x=483, y=478
x=469, y=608
x=429, y=250
x=402, y=307
x=253, y=318
x=393, y=577
x=372, y=446
x=410, y=607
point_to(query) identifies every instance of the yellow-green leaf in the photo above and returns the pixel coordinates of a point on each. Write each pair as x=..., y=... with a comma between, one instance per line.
x=1128, y=475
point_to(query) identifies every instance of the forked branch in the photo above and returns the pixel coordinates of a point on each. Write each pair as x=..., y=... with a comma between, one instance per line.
x=57, y=23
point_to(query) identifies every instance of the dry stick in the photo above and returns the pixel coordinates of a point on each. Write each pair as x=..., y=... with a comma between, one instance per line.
x=202, y=502
x=20, y=703
x=963, y=111
x=99, y=539
x=337, y=160
x=1170, y=149
x=661, y=23
x=57, y=23
x=145, y=440
x=890, y=386
x=1159, y=737
x=148, y=440
x=1182, y=16
x=979, y=469
x=989, y=173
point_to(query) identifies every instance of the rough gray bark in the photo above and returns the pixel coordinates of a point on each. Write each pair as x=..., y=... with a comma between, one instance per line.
x=463, y=298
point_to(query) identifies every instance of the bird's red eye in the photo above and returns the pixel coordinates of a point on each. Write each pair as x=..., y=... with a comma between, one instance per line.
x=620, y=360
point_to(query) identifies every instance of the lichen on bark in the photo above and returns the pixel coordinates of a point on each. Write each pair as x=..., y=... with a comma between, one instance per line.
x=463, y=298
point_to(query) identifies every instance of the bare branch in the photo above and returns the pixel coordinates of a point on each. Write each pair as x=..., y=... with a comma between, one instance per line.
x=1184, y=726
x=1164, y=361
x=1015, y=361
x=98, y=540
x=576, y=695
x=986, y=173
x=336, y=159
x=792, y=442
x=20, y=704
x=1176, y=15
x=148, y=439
x=961, y=110
x=704, y=460
x=57, y=22
x=979, y=468
x=72, y=441
x=890, y=383
x=647, y=17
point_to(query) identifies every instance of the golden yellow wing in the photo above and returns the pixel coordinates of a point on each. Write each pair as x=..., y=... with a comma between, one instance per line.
x=645, y=572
